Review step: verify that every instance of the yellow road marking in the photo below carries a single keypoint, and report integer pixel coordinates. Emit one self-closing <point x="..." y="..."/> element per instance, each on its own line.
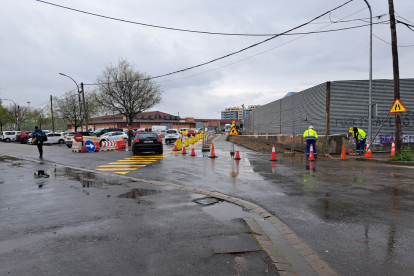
<point x="117" y="169"/>
<point x="124" y="166"/>
<point x="131" y="162"/>
<point x="122" y="172"/>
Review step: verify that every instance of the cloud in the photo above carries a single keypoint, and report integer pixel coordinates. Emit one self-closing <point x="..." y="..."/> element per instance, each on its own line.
<point x="38" y="41"/>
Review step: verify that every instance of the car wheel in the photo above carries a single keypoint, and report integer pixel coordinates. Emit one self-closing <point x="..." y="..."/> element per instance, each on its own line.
<point x="7" y="140"/>
<point x="61" y="141"/>
<point x="69" y="146"/>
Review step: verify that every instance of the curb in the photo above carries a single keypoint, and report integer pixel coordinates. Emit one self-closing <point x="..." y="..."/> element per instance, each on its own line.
<point x="395" y="163"/>
<point x="310" y="256"/>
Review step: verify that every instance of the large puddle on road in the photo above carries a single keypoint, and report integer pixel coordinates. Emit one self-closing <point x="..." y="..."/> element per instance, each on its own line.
<point x="135" y="193"/>
<point x="228" y="211"/>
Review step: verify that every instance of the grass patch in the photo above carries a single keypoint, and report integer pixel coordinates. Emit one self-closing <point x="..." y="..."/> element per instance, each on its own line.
<point x="405" y="155"/>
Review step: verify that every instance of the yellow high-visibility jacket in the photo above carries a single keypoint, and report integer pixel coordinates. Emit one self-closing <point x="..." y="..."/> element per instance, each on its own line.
<point x="310" y="135"/>
<point x="360" y="134"/>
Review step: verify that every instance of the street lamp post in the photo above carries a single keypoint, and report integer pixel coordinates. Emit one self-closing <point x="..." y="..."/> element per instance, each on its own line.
<point x="18" y="113"/>
<point x="80" y="106"/>
<point x="370" y="79"/>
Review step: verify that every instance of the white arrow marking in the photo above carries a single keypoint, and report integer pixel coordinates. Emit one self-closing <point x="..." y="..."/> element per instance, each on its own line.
<point x="90" y="146"/>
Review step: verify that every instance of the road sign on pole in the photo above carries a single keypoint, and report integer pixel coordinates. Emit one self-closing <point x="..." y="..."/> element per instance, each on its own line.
<point x="78" y="137"/>
<point x="90" y="146"/>
<point x="130" y="128"/>
<point x="397" y="107"/>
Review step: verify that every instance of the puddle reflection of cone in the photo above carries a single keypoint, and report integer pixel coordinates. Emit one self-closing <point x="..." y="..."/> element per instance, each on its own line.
<point x="311" y="166"/>
<point x="237" y="157"/>
<point x="368" y="154"/>
<point x="343" y="154"/>
<point x="175" y="146"/>
<point x="311" y="156"/>
<point x="192" y="151"/>
<point x="184" y="152"/>
<point x="273" y="167"/>
<point x="212" y="154"/>
<point x="392" y="150"/>
<point x="273" y="157"/>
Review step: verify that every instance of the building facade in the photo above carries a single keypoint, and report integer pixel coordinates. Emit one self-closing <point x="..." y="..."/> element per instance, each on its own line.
<point x="237" y="113"/>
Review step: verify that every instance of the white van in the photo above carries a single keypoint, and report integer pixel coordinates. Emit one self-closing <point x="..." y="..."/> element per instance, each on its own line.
<point x="9" y="136"/>
<point x="155" y="128"/>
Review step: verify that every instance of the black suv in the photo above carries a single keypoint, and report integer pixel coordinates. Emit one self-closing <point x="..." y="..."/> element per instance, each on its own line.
<point x="101" y="131"/>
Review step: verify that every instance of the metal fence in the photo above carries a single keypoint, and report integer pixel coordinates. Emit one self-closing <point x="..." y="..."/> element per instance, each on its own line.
<point x="348" y="104"/>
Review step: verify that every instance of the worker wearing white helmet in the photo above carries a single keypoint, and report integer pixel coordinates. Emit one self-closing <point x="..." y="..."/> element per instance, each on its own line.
<point x="311" y="137"/>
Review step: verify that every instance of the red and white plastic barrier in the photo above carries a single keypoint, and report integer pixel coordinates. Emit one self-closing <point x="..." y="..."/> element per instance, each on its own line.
<point x="108" y="145"/>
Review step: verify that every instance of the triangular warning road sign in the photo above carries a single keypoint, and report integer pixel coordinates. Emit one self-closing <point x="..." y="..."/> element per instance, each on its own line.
<point x="233" y="131"/>
<point x="397" y="107"/>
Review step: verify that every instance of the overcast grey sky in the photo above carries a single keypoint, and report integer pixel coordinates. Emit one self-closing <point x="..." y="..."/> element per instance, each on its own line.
<point x="38" y="41"/>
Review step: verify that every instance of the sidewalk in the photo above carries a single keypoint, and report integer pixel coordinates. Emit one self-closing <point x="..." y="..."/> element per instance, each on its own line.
<point x="383" y="159"/>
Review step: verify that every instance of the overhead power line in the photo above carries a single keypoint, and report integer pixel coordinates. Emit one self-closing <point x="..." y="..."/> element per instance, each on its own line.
<point x="170" y="28"/>
<point x="244" y="49"/>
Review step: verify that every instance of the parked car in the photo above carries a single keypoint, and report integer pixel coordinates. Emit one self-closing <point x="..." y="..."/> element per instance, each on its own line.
<point x="9" y="136"/>
<point x="147" y="141"/>
<point x="183" y="131"/>
<point x="23" y="137"/>
<point x="115" y="136"/>
<point x="161" y="132"/>
<point x="55" y="138"/>
<point x="191" y="133"/>
<point x="171" y="135"/>
<point x="86" y="136"/>
<point x="101" y="131"/>
<point x="1" y="135"/>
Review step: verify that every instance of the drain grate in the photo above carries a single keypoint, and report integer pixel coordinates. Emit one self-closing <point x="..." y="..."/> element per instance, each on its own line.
<point x="207" y="200"/>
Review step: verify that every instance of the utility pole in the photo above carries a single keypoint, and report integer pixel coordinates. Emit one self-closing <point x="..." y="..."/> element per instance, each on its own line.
<point x="51" y="109"/>
<point x="396" y="71"/>
<point x="85" y="112"/>
<point x="18" y="117"/>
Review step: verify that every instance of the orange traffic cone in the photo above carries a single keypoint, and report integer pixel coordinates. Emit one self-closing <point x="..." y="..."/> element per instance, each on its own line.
<point x="273" y="157"/>
<point x="175" y="146"/>
<point x="184" y="152"/>
<point x="212" y="154"/>
<point x="237" y="157"/>
<point x="368" y="154"/>
<point x="311" y="156"/>
<point x="343" y="154"/>
<point x="392" y="150"/>
<point x="192" y="151"/>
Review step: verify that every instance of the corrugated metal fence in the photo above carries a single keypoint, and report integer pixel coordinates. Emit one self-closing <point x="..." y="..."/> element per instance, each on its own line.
<point x="348" y="107"/>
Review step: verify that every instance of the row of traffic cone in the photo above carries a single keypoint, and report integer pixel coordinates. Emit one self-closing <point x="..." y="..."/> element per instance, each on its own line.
<point x="192" y="150"/>
<point x="368" y="154"/>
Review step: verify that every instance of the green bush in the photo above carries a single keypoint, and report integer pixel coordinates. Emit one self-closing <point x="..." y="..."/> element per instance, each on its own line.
<point x="405" y="155"/>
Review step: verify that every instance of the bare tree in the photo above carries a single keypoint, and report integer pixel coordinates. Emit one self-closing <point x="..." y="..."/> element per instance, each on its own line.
<point x="67" y="108"/>
<point x="123" y="89"/>
<point x="14" y="113"/>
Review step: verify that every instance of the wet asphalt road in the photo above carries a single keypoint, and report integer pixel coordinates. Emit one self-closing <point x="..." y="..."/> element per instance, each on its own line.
<point x="357" y="216"/>
<point x="78" y="223"/>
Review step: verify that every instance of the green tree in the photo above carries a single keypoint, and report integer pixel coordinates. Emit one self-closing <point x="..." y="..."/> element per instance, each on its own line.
<point x="5" y="117"/>
<point x="123" y="89"/>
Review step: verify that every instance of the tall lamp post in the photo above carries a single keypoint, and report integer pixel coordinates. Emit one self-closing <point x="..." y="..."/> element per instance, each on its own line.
<point x="80" y="106"/>
<point x="370" y="80"/>
<point x="18" y="112"/>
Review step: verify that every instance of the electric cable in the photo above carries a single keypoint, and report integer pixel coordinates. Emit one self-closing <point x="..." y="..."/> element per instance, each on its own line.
<point x="239" y="51"/>
<point x="161" y="27"/>
<point x="391" y="44"/>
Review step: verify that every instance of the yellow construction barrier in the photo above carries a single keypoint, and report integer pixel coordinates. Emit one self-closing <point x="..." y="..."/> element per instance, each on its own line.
<point x="192" y="141"/>
<point x="179" y="145"/>
<point x="186" y="142"/>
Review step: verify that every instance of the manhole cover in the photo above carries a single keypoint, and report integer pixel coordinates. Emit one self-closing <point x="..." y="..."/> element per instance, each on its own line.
<point x="139" y="192"/>
<point x="207" y="200"/>
<point x="234" y="244"/>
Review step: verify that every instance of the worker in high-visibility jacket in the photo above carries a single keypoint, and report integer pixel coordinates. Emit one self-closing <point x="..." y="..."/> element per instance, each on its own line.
<point x="360" y="139"/>
<point x="311" y="137"/>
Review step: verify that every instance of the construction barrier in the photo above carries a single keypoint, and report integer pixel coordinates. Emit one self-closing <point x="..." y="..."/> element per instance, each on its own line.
<point x="186" y="142"/>
<point x="97" y="148"/>
<point x="108" y="145"/>
<point x="178" y="145"/>
<point x="120" y="144"/>
<point x="76" y="146"/>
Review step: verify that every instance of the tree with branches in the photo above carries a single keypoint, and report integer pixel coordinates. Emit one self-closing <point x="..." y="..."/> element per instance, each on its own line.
<point x="123" y="89"/>
<point x="14" y="113"/>
<point x="5" y="117"/>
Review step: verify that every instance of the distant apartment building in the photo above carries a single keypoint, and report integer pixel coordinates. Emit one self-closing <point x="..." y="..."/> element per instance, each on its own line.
<point x="236" y="113"/>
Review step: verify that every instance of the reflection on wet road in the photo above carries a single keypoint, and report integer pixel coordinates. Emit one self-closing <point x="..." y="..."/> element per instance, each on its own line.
<point x="358" y="216"/>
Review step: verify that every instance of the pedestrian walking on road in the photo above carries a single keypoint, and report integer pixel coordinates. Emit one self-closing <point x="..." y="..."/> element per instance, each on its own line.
<point x="38" y="134"/>
<point x="311" y="137"/>
<point x="359" y="138"/>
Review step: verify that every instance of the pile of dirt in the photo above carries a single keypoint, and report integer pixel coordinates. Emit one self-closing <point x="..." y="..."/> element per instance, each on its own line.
<point x="263" y="147"/>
